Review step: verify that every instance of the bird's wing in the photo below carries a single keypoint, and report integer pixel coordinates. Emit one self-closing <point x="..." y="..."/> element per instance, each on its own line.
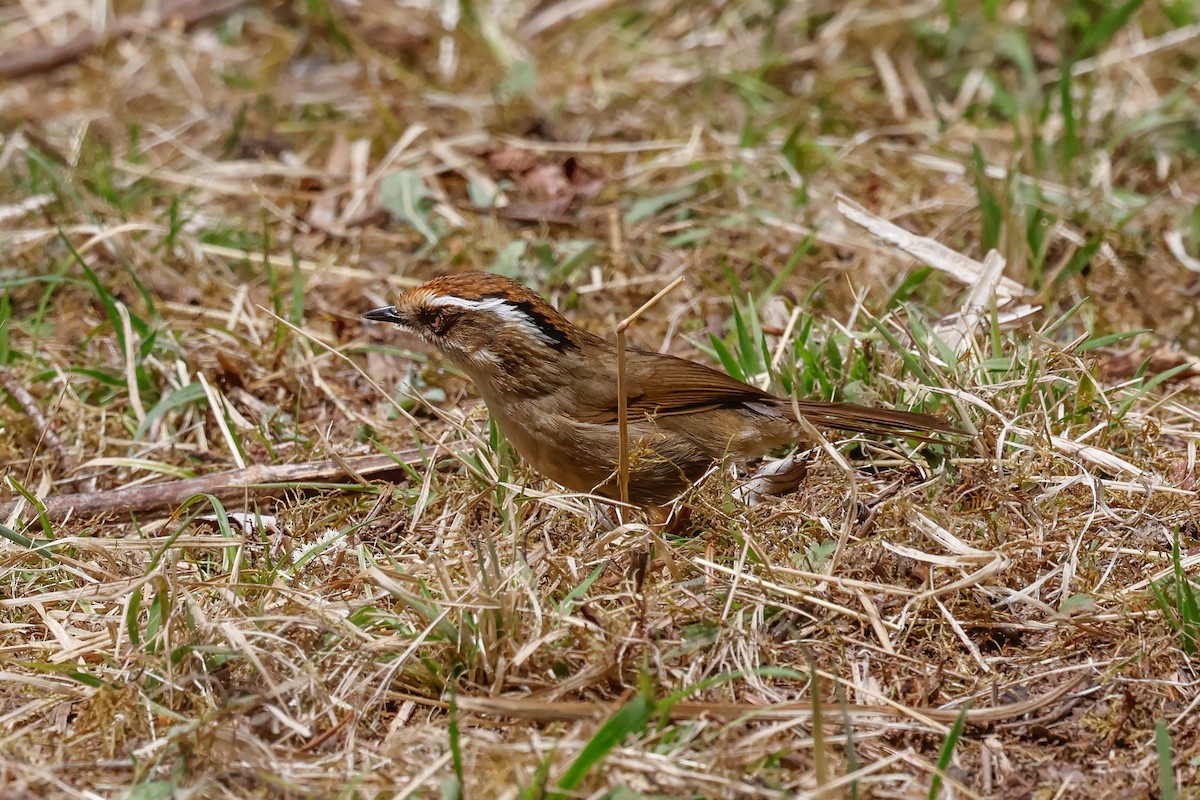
<point x="663" y="385"/>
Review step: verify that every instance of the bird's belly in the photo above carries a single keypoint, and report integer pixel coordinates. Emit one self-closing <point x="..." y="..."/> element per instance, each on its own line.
<point x="583" y="456"/>
<point x="666" y="453"/>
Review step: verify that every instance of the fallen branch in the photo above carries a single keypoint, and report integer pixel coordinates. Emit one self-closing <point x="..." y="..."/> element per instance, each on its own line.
<point x="573" y="711"/>
<point x="261" y="479"/>
<point x="184" y="13"/>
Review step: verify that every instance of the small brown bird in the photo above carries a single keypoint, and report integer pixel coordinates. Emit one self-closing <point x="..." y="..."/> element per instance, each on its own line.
<point x="552" y="389"/>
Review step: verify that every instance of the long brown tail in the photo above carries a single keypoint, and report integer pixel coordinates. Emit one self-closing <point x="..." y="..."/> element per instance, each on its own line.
<point x="886" y="421"/>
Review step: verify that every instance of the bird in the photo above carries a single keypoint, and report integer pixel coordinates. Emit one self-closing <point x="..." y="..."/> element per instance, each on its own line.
<point x="551" y="388"/>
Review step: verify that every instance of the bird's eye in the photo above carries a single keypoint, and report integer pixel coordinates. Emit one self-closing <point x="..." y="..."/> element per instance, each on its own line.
<point x="431" y="318"/>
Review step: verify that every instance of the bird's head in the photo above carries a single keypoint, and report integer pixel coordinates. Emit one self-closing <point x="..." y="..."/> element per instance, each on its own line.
<point x="492" y="327"/>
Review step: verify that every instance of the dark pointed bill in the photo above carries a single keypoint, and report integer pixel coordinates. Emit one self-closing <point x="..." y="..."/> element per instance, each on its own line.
<point x="385" y="314"/>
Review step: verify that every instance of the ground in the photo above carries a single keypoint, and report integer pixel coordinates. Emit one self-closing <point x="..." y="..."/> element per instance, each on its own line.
<point x="254" y="546"/>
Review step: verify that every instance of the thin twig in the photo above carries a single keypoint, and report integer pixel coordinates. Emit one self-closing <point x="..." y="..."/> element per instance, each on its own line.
<point x="257" y="479"/>
<point x="19" y="63"/>
<point x="29" y="405"/>
<point x="569" y="711"/>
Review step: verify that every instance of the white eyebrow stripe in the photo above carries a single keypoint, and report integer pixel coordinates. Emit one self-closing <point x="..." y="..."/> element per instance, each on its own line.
<point x="495" y="305"/>
<point x="486" y="304"/>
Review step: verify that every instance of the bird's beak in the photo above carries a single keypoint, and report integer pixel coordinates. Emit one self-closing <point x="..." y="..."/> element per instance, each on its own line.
<point x="385" y="314"/>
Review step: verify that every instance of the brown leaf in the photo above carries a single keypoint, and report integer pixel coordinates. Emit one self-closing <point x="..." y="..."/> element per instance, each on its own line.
<point x="545" y="185"/>
<point x="1117" y="367"/>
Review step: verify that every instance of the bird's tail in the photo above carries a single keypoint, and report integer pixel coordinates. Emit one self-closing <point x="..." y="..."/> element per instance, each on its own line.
<point x="886" y="421"/>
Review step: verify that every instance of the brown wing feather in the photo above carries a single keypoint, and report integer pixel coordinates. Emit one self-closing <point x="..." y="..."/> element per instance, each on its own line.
<point x="676" y="386"/>
<point x="663" y="385"/>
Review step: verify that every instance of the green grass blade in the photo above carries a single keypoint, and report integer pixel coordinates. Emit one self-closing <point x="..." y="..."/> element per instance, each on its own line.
<point x="1166" y="767"/>
<point x="5" y="323"/>
<point x="726" y="358"/>
<point x="180" y="398"/>
<point x="566" y="605"/>
<point x="1110" y="339"/>
<point x="631" y="720"/>
<point x="1055" y="326"/>
<point x="852" y="763"/>
<point x="1101" y="32"/>
<point x="455" y="747"/>
<point x="992" y="218"/>
<point x="948" y="746"/>
<point x="16" y="538"/>
<point x="1150" y="385"/>
<point x="38" y="505"/>
<point x="910" y="361"/>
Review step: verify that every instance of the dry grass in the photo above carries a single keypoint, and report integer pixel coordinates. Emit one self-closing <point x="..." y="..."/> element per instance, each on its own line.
<point x="193" y="218"/>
